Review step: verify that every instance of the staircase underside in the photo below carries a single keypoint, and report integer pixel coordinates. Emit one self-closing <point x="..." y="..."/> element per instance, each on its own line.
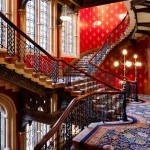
<point x="143" y="18"/>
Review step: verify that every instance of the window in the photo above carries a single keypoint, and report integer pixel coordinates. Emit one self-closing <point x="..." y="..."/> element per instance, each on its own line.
<point x="69" y="37"/>
<point x="30" y="19"/>
<point x="2" y="6"/>
<point x="34" y="133"/>
<point x="38" y="22"/>
<point x="2" y="127"/>
<point x="7" y="123"/>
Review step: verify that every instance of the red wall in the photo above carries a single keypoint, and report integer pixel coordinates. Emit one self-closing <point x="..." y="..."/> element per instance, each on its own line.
<point x="96" y="23"/>
<point x="140" y="49"/>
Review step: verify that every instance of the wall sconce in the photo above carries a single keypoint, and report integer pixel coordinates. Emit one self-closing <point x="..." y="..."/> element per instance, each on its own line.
<point x="65" y="14"/>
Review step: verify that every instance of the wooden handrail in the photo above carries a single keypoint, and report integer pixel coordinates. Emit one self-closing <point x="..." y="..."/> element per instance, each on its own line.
<point x="62" y="118"/>
<point x="90" y="61"/>
<point x="24" y="35"/>
<point x="45" y="52"/>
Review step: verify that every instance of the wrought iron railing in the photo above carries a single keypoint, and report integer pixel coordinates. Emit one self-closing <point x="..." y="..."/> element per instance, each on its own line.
<point x="96" y="60"/>
<point x="24" y="49"/>
<point x="79" y="114"/>
<point x="116" y="35"/>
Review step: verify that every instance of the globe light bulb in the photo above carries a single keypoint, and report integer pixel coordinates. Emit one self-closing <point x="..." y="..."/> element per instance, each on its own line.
<point x="124" y="52"/>
<point x="135" y="56"/>
<point x="116" y="63"/>
<point x="128" y="63"/>
<point x="138" y="64"/>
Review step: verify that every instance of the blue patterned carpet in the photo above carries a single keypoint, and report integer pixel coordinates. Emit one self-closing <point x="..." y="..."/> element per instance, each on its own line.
<point x="130" y="136"/>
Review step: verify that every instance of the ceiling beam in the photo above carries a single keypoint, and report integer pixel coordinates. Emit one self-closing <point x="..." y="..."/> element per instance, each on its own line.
<point x="137" y="2"/>
<point x="145" y="24"/>
<point x="89" y="3"/>
<point x="77" y="3"/>
<point x="147" y="10"/>
<point x="143" y="32"/>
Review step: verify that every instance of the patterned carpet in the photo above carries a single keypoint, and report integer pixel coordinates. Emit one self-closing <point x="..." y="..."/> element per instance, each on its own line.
<point x="134" y="135"/>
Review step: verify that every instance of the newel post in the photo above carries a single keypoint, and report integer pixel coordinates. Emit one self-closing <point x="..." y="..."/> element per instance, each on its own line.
<point x="123" y="113"/>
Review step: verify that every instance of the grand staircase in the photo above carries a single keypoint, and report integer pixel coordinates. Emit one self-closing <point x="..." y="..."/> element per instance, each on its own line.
<point x="96" y="99"/>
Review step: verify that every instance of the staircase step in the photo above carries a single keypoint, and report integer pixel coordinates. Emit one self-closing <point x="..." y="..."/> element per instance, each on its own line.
<point x="2" y="61"/>
<point x="10" y="60"/>
<point x="43" y="78"/>
<point x="76" y="93"/>
<point x="77" y="139"/>
<point x="3" y="52"/>
<point x="28" y="70"/>
<point x="10" y="66"/>
<point x="48" y="81"/>
<point x="20" y="65"/>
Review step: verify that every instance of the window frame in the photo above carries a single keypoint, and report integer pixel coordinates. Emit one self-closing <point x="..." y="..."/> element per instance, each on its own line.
<point x="50" y="33"/>
<point x="70" y="34"/>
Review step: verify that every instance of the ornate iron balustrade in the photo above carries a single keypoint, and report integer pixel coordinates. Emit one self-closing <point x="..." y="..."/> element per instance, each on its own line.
<point x="80" y="113"/>
<point x="115" y="36"/>
<point x="26" y="51"/>
<point x="95" y="62"/>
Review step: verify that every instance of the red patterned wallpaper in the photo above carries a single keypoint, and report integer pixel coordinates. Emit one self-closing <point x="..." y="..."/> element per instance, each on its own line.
<point x="140" y="49"/>
<point x="96" y="23"/>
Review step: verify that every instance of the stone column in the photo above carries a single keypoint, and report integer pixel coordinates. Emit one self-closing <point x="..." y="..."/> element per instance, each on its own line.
<point x="78" y="36"/>
<point x="8" y="134"/>
<point x="22" y="15"/>
<point x="22" y="140"/>
<point x="8" y="10"/>
<point x="54" y="25"/>
<point x="22" y="44"/>
<point x="59" y="40"/>
<point x="60" y="50"/>
<point x="51" y="29"/>
<point x="55" y="99"/>
<point x="37" y="38"/>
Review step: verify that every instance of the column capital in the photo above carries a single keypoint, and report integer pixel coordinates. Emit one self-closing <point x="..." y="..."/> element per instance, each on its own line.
<point x="59" y="26"/>
<point x="22" y="12"/>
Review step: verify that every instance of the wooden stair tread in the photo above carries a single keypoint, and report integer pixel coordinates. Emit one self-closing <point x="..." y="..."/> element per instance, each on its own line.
<point x="76" y="140"/>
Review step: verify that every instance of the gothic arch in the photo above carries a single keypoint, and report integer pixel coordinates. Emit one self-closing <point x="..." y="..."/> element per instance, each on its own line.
<point x="10" y="121"/>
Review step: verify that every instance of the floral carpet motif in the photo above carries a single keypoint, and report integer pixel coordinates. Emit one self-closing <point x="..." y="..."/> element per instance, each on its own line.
<point x="129" y="136"/>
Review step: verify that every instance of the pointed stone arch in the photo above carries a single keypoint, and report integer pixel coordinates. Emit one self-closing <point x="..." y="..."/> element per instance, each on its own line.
<point x="9" y="120"/>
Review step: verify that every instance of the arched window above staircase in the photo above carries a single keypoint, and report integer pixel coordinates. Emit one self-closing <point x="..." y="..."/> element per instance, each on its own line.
<point x="39" y="23"/>
<point x="34" y="133"/>
<point x="7" y="123"/>
<point x="70" y="36"/>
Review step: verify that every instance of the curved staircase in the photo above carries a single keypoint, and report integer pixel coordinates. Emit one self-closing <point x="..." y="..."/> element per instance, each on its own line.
<point x="97" y="96"/>
<point x="101" y="106"/>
